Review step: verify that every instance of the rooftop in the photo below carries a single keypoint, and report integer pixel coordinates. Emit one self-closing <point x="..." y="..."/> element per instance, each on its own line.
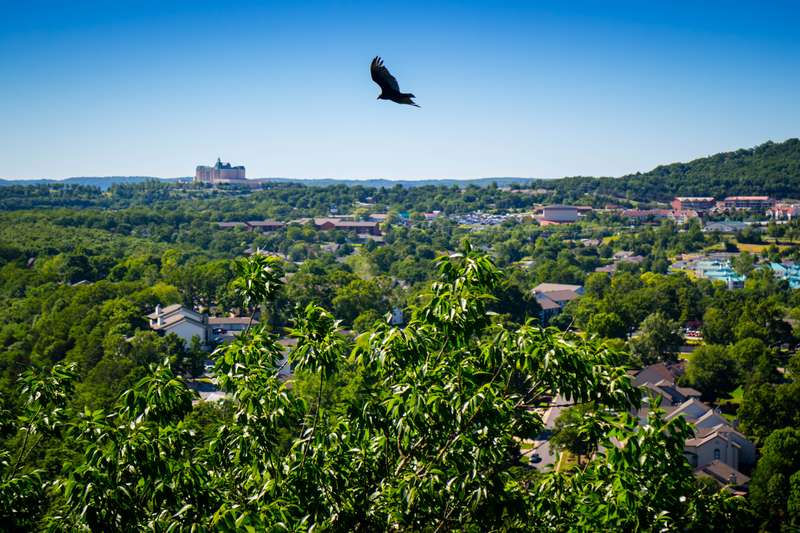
<point x="552" y="287"/>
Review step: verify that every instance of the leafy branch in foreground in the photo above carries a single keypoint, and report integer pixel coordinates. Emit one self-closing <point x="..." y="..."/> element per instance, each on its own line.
<point x="431" y="443"/>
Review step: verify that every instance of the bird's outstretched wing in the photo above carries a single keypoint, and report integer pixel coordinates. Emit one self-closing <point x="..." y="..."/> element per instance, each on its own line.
<point x="382" y="77"/>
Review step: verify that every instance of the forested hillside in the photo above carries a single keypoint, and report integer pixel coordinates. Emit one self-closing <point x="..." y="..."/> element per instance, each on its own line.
<point x="770" y="169"/>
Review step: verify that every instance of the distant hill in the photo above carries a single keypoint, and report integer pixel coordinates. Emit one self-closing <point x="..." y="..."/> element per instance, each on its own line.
<point x="103" y="182"/>
<point x="377" y="183"/>
<point x="769" y="169"/>
<point x="108" y="181"/>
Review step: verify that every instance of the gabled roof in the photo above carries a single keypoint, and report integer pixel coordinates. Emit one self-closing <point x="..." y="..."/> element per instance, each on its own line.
<point x="551" y="287"/>
<point x="653" y="374"/>
<point x="546" y="303"/>
<point x="687" y="408"/>
<point x="219" y="320"/>
<point x="696" y="442"/>
<point x="719" y="428"/>
<point x="668" y="387"/>
<point x="711" y="419"/>
<point x="265" y="223"/>
<point x="174" y="320"/>
<point x="723" y="474"/>
<point x="689" y="392"/>
<point x="562" y="296"/>
<point x="165" y="311"/>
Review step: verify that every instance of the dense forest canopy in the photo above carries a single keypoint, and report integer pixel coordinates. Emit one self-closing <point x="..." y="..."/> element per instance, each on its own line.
<point x="428" y="439"/>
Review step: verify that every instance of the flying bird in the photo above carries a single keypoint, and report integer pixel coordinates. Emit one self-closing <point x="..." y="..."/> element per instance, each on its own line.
<point x="388" y="84"/>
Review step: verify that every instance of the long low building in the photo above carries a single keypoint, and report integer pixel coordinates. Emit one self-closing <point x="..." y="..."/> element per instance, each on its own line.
<point x="558" y="214"/>
<point x="330" y="223"/>
<point x="756" y="203"/>
<point x="693" y="203"/>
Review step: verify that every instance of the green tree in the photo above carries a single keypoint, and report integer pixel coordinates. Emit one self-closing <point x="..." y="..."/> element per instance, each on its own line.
<point x="744" y="263"/>
<point x="766" y="407"/>
<point x="607" y="326"/>
<point x="358" y="296"/>
<point x="43" y="416"/>
<point x="717" y="326"/>
<point x="658" y="340"/>
<point x="774" y="483"/>
<point x="713" y="371"/>
<point x="755" y="361"/>
<point x="569" y="432"/>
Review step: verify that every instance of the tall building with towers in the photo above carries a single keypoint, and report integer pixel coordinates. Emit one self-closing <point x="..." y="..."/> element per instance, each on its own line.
<point x="219" y="173"/>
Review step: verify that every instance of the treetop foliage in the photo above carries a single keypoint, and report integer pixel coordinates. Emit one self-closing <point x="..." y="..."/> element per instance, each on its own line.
<point x="431" y="442"/>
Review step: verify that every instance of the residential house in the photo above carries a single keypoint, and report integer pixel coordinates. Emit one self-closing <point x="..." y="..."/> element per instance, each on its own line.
<point x="626" y="256"/>
<point x="187" y="323"/>
<point x="225" y="328"/>
<point x="715" y="439"/>
<point x="708" y="446"/>
<point x="183" y="322"/>
<point x="657" y="372"/>
<point x="552" y="297"/>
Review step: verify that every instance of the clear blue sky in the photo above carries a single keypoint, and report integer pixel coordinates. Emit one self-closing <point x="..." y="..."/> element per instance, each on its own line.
<point x="540" y="89"/>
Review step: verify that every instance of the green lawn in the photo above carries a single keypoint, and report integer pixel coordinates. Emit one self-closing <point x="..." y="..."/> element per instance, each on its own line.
<point x="360" y="265"/>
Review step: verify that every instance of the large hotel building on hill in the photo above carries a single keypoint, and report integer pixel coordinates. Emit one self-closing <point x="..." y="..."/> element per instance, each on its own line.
<point x="220" y="173"/>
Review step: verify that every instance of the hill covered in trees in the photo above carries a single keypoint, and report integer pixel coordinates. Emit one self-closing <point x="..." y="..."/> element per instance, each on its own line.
<point x="768" y="169"/>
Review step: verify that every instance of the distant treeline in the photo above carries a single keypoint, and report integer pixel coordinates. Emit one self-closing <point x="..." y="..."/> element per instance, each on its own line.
<point x="769" y="169"/>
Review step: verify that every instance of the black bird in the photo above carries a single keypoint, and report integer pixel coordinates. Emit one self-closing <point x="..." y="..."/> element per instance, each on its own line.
<point x="388" y="84"/>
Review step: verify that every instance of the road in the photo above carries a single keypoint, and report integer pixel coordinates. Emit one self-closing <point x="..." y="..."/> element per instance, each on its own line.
<point x="541" y="445"/>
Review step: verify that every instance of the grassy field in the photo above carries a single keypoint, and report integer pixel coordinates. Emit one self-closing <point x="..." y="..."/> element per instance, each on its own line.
<point x="566" y="461"/>
<point x="730" y="405"/>
<point x="758" y="248"/>
<point x="359" y="264"/>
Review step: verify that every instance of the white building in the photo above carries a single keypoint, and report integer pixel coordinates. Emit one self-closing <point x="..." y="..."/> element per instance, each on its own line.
<point x="183" y="322"/>
<point x="559" y="214"/>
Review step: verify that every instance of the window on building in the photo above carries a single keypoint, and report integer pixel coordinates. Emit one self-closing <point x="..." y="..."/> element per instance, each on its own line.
<point x="716" y="453"/>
